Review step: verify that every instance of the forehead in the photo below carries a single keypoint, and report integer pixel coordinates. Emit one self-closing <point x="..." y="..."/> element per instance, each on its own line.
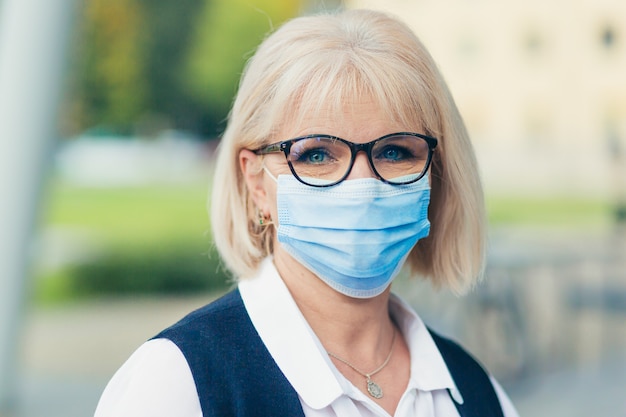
<point x="358" y="119"/>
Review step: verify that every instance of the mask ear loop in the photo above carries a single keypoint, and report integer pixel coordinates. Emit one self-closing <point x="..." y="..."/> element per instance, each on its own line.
<point x="267" y="171"/>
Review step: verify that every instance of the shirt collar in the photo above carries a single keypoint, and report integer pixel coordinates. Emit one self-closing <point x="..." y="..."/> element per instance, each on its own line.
<point x="295" y="348"/>
<point x="303" y="360"/>
<point x="428" y="368"/>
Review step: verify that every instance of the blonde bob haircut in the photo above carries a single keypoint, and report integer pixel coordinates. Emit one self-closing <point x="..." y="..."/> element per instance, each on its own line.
<point x="314" y="62"/>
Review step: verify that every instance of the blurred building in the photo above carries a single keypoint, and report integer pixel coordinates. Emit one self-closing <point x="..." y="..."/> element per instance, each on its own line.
<point x="541" y="84"/>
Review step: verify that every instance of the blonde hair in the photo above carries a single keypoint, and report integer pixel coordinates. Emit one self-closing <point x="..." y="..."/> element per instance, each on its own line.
<point x="321" y="60"/>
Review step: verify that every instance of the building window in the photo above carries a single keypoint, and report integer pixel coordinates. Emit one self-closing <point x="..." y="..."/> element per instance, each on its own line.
<point x="533" y="43"/>
<point x="608" y="37"/>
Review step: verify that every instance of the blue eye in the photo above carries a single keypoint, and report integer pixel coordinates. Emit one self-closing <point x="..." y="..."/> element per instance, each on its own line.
<point x="393" y="153"/>
<point x="312" y="156"/>
<point x="315" y="156"/>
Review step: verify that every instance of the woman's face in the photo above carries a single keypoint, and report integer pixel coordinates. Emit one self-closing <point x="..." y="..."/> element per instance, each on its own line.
<point x="360" y="122"/>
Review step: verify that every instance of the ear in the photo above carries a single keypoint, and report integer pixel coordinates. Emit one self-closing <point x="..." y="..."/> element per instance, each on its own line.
<point x="252" y="171"/>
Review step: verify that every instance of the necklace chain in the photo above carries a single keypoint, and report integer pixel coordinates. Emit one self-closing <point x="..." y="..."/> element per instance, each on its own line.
<point x="373" y="388"/>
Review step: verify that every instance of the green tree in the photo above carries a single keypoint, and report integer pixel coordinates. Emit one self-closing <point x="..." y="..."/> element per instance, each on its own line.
<point x="226" y="34"/>
<point x="165" y="42"/>
<point x="175" y="63"/>
<point x="109" y="85"/>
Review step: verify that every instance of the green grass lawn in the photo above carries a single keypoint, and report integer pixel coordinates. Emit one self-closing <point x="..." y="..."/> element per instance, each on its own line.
<point x="132" y="216"/>
<point x="153" y="239"/>
<point x="139" y="216"/>
<point x="156" y="239"/>
<point x="553" y="211"/>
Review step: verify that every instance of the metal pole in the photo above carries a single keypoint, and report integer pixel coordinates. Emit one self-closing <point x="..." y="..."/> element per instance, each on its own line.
<point x="33" y="40"/>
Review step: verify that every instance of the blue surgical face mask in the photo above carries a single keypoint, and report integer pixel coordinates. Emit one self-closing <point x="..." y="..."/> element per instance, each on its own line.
<point x="356" y="235"/>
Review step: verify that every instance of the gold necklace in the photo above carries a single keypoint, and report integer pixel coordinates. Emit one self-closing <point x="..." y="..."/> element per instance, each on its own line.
<point x="372" y="387"/>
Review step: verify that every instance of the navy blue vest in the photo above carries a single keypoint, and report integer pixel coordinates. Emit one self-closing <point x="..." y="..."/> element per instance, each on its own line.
<point x="231" y="367"/>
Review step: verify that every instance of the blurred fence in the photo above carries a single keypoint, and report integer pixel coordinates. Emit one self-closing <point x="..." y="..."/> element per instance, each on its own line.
<point x="550" y="301"/>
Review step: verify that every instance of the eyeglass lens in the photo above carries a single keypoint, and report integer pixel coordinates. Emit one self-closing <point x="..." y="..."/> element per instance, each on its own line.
<point x="397" y="159"/>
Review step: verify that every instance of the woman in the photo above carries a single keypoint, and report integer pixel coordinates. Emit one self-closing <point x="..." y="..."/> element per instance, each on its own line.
<point x="344" y="158"/>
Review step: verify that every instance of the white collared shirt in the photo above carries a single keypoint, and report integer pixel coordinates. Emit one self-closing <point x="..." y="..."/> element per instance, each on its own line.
<point x="143" y="386"/>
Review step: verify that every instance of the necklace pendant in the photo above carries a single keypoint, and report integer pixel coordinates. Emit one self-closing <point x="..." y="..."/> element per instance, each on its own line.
<point x="374" y="389"/>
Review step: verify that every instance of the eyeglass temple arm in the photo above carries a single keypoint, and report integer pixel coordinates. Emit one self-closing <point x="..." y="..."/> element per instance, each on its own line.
<point x="273" y="148"/>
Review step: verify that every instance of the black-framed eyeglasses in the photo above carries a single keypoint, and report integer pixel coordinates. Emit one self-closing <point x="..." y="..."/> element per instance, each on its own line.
<point x="324" y="160"/>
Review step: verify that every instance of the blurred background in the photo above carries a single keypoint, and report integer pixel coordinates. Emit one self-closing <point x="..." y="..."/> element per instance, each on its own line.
<point x="110" y="113"/>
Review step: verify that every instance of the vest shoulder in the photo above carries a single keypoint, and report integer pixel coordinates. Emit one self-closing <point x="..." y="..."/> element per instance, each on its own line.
<point x="471" y="379"/>
<point x="216" y="317"/>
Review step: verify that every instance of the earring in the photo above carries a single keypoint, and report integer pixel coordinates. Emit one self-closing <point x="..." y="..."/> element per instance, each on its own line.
<point x="264" y="220"/>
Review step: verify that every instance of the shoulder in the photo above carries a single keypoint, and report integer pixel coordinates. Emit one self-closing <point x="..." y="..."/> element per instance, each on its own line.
<point x="476" y="385"/>
<point x="158" y="378"/>
<point x="211" y="330"/>
<point x="162" y="377"/>
<point x="508" y="408"/>
<point x="212" y="317"/>
<point x="154" y="381"/>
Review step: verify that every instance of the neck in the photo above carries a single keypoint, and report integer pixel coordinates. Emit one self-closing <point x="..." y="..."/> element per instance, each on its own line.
<point x="349" y="327"/>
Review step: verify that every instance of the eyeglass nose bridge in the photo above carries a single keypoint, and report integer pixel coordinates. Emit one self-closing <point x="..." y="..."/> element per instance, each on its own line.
<point x="358" y="147"/>
<point x="355" y="148"/>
